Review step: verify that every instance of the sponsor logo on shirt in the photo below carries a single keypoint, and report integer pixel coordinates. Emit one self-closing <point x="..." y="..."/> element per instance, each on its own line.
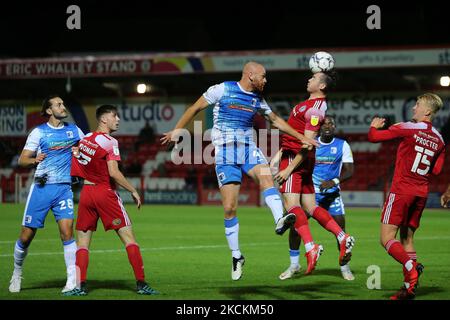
<point x="302" y="109"/>
<point x="314" y="120"/>
<point x="240" y="108"/>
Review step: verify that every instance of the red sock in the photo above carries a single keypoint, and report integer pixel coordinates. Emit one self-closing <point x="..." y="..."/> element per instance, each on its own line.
<point x="135" y="258"/>
<point x="82" y="262"/>
<point x="396" y="250"/>
<point x="325" y="220"/>
<point x="301" y="224"/>
<point x="412" y="255"/>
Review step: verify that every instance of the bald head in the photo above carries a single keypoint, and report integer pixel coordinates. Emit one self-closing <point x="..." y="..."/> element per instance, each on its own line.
<point x="253" y="77"/>
<point x="252" y="67"/>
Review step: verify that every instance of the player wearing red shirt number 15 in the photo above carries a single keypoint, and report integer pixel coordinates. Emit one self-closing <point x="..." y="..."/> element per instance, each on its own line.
<point x="420" y="154"/>
<point x="97" y="163"/>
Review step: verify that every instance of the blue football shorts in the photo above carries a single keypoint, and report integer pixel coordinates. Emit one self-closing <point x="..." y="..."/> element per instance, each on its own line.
<point x="234" y="158"/>
<point x="57" y="197"/>
<point x="332" y="202"/>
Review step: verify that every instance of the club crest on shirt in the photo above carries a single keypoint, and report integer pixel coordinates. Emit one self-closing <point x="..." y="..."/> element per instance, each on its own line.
<point x="333" y="150"/>
<point x="117" y="222"/>
<point x="314" y="120"/>
<point x="69" y="134"/>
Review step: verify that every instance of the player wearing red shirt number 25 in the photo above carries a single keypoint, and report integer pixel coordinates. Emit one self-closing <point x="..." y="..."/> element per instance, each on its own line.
<point x="97" y="163"/>
<point x="420" y="154"/>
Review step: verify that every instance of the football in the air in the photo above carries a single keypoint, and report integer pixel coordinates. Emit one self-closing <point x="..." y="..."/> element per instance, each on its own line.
<point x="321" y="61"/>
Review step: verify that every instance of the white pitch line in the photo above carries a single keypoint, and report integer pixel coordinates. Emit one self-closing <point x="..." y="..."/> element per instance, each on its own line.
<point x="365" y="239"/>
<point x="144" y="249"/>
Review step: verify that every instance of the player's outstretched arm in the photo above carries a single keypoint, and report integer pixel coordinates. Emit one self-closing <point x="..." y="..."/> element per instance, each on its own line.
<point x="376" y="135"/>
<point x="27" y="158"/>
<point x="187" y="117"/>
<point x="279" y="123"/>
<point x="445" y="198"/>
<point x="119" y="178"/>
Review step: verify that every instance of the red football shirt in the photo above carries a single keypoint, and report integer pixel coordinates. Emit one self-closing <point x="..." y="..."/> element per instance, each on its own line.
<point x="420" y="153"/>
<point x="96" y="148"/>
<point x="307" y="115"/>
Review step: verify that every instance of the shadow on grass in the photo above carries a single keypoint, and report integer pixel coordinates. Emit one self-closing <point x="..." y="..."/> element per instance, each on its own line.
<point x="92" y="285"/>
<point x="420" y="291"/>
<point x="298" y="290"/>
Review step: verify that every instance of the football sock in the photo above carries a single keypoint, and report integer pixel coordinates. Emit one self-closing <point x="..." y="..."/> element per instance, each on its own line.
<point x="325" y="220"/>
<point x="20" y="252"/>
<point x="135" y="258"/>
<point x="412" y="255"/>
<point x="273" y="201"/>
<point x="309" y="246"/>
<point x="345" y="268"/>
<point x="70" y="250"/>
<point x="232" y="235"/>
<point x="396" y="250"/>
<point x="82" y="263"/>
<point x="294" y="256"/>
<point x="301" y="225"/>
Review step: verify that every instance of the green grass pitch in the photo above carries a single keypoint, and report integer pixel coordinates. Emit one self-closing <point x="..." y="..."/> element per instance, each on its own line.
<point x="186" y="257"/>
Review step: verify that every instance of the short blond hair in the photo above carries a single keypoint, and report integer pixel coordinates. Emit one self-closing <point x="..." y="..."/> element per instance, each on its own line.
<point x="432" y="100"/>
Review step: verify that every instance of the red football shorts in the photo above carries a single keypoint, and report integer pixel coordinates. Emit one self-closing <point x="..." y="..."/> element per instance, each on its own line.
<point x="300" y="181"/>
<point x="104" y="203"/>
<point x="403" y="210"/>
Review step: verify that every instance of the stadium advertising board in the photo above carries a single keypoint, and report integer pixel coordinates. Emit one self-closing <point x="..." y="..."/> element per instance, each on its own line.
<point x="18" y="119"/>
<point x="213" y="197"/>
<point x="353" y="112"/>
<point x="127" y="65"/>
<point x="162" y="115"/>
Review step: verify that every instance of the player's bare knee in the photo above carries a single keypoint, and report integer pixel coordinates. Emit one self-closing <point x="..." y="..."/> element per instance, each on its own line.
<point x="265" y="182"/>
<point x="230" y="211"/>
<point x="27" y="235"/>
<point x="67" y="235"/>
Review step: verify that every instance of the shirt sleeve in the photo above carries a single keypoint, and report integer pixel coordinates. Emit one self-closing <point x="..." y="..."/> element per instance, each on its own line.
<point x="33" y="139"/>
<point x="80" y="133"/>
<point x="113" y="151"/>
<point x="265" y="108"/>
<point x="347" y="155"/>
<point x="313" y="119"/>
<point x="214" y="93"/>
<point x="394" y="131"/>
<point x="439" y="163"/>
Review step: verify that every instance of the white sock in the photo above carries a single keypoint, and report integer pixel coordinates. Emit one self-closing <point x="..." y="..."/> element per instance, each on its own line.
<point x="345" y="267"/>
<point x="232" y="235"/>
<point x="294" y="256"/>
<point x="309" y="246"/>
<point x="20" y="252"/>
<point x="273" y="201"/>
<point x="70" y="251"/>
